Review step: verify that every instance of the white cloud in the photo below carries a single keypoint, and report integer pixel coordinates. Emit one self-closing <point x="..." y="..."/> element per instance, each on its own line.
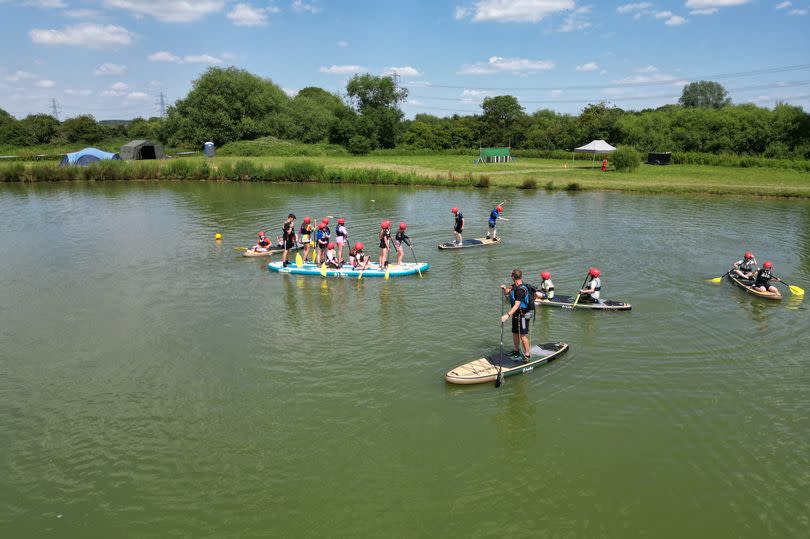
<point x="139" y="96"/>
<point x="80" y="13"/>
<point x="70" y="91"/>
<point x="45" y="83"/>
<point x="120" y="86"/>
<point x="92" y="36"/>
<point x="165" y="56"/>
<point x="246" y="15"/>
<point x="629" y="8"/>
<point x="590" y="66"/>
<point x="797" y="12"/>
<point x="52" y="4"/>
<point x="169" y="10"/>
<point x="663" y="15"/>
<point x="291" y="92"/>
<point x="646" y="69"/>
<point x="576" y="20"/>
<point x="661" y="78"/>
<point x="304" y="7"/>
<point x="708" y="11"/>
<point x="513" y="10"/>
<point x="675" y="20"/>
<point x="784" y="5"/>
<point x="497" y="64"/>
<point x="108" y="68"/>
<point x="556" y="93"/>
<point x="342" y="70"/>
<point x="342" y="44"/>
<point x="405" y="71"/>
<point x="19" y="75"/>
<point x="707" y="4"/>
<point x="469" y="97"/>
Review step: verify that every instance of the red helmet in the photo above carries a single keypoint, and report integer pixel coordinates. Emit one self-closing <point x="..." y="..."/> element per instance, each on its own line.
<point x="768" y="264"/>
<point x="749" y="254"/>
<point x="341" y="221"/>
<point x="261" y="234"/>
<point x="386" y="224"/>
<point x="307" y="220"/>
<point x="403" y="226"/>
<point x="545" y="275"/>
<point x="358" y="246"/>
<point x="499" y="208"/>
<point x="330" y="245"/>
<point x="321" y="225"/>
<point x="453" y="210"/>
<point x="326" y="220"/>
<point x="594" y="272"/>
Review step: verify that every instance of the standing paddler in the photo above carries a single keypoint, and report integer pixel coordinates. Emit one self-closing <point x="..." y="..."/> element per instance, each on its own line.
<point x="341" y="237"/>
<point x="458" y="225"/>
<point x="522" y="299"/>
<point x="385" y="242"/>
<point x="493" y="222"/>
<point x="306" y="235"/>
<point x="288" y="237"/>
<point x="399" y="238"/>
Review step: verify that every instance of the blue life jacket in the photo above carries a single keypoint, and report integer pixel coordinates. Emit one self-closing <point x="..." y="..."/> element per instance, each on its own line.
<point x="493" y="217"/>
<point x="527" y="303"/>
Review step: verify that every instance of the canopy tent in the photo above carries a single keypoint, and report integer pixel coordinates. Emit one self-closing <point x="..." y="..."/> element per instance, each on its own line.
<point x="85" y="157"/>
<point x="494" y="155"/>
<point x="594" y="147"/>
<point x="142" y="149"/>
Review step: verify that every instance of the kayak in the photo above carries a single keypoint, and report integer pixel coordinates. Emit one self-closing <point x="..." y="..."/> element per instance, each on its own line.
<point x="373" y="270"/>
<point x="486" y="369"/>
<point x="477" y="242"/>
<point x="747" y="285"/>
<point x="270" y="250"/>
<point x="568" y="301"/>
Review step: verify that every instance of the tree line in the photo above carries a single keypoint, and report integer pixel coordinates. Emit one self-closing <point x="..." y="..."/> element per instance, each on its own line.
<point x="229" y="104"/>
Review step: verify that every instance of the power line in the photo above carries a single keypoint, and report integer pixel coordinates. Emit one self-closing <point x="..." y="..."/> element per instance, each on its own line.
<point x="55" y="109"/>
<point x="628" y="84"/>
<point x="161" y="102"/>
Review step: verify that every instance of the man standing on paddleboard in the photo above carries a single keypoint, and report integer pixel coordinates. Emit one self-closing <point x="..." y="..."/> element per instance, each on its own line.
<point x="288" y="237"/>
<point x="458" y="226"/>
<point x="521" y="299"/>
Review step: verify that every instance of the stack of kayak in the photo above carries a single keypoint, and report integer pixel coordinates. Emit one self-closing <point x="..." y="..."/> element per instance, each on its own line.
<point x="372" y="270"/>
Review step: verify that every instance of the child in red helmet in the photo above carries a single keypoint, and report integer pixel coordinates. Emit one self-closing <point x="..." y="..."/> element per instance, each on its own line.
<point x="399" y="238"/>
<point x="321" y="241"/>
<point x="305" y="234"/>
<point x="331" y="256"/>
<point x="747" y="267"/>
<point x="493" y="222"/>
<point x="764" y="277"/>
<point x="357" y="258"/>
<point x="385" y="242"/>
<point x="263" y="244"/>
<point x="458" y="225"/>
<point x="546" y="290"/>
<point x="593" y="285"/>
<point x="341" y="237"/>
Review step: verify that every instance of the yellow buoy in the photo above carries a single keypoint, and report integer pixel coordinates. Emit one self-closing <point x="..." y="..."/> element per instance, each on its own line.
<point x="217" y="236"/>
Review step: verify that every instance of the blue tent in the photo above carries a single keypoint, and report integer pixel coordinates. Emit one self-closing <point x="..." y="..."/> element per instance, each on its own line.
<point x="85" y="157"/>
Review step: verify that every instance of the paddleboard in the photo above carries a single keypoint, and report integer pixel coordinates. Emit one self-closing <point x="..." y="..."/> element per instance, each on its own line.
<point x="477" y="242"/>
<point x="747" y="285"/>
<point x="486" y="369"/>
<point x="568" y="301"/>
<point x="274" y="249"/>
<point x="373" y="270"/>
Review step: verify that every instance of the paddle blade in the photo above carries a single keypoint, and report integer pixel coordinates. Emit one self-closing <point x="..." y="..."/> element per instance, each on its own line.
<point x="360" y="275"/>
<point x="499" y="378"/>
<point x="796" y="290"/>
<point x="715" y="280"/>
<point x="386" y="273"/>
<point x="323" y="269"/>
<point x="240" y="248"/>
<point x="298" y="260"/>
<point x="314" y="255"/>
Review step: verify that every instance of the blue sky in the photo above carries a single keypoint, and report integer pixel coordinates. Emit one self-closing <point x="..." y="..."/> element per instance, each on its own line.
<point x="113" y="58"/>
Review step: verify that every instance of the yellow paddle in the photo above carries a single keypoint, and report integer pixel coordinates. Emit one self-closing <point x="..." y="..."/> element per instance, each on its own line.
<point x="386" y="272"/>
<point x="323" y="269"/>
<point x="241" y="248"/>
<point x="578" y="294"/>
<point x="795" y="290"/>
<point x="299" y="262"/>
<point x="718" y="279"/>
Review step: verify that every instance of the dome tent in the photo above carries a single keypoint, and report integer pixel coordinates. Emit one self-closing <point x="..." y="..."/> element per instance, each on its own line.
<point x="142" y="149"/>
<point x="87" y="156"/>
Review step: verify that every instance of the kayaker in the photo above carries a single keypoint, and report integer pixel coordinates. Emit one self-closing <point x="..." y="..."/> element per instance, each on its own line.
<point x="263" y="244"/>
<point x="458" y="225"/>
<point x="519" y="297"/>
<point x="399" y="238"/>
<point x="341" y="237"/>
<point x="385" y="242"/>
<point x="763" y="279"/>
<point x="493" y="222"/>
<point x="747" y="267"/>
<point x="331" y="256"/>
<point x="288" y="237"/>
<point x="357" y="258"/>
<point x="546" y="290"/>
<point x="593" y="285"/>
<point x="306" y="235"/>
<point x="321" y="241"/>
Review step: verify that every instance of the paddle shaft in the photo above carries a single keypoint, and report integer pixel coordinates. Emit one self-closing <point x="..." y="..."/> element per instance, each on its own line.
<point x="416" y="261"/>
<point x="580" y="292"/>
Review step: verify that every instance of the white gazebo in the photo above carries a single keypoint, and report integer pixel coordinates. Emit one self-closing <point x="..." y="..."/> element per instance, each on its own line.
<point x="594" y="147"/>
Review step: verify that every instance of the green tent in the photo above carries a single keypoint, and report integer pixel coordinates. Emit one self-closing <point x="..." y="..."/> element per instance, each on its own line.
<point x="494" y="155"/>
<point x="142" y="149"/>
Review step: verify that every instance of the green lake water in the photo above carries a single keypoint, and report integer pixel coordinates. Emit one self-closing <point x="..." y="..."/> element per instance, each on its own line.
<point x="154" y="383"/>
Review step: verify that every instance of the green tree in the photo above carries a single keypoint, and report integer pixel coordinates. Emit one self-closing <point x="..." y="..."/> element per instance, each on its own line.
<point x="599" y="121"/>
<point x="82" y="129"/>
<point x="314" y="112"/>
<point x="43" y="127"/>
<point x="378" y="99"/>
<point x="501" y="116"/>
<point x="704" y="93"/>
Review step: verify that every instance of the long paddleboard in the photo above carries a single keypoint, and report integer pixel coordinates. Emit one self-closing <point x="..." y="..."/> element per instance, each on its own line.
<point x="477" y="242"/>
<point x="747" y="285"/>
<point x="486" y="369"/>
<point x="373" y="270"/>
<point x="568" y="302"/>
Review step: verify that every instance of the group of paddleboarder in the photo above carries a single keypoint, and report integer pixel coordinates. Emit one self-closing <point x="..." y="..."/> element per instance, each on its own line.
<point x="492" y="222"/>
<point x="748" y="269"/>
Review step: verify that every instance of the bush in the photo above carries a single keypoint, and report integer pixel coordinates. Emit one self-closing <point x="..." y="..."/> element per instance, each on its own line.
<point x="529" y="183"/>
<point x="14" y="172"/>
<point x="573" y="186"/>
<point x="626" y="159"/>
<point x="482" y="182"/>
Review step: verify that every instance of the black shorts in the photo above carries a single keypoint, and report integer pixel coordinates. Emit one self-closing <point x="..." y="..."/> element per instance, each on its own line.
<point x="520" y="324"/>
<point x="289" y="244"/>
<point x="457" y="230"/>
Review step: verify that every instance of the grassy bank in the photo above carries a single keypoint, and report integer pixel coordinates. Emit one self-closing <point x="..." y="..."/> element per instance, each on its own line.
<point x="433" y="170"/>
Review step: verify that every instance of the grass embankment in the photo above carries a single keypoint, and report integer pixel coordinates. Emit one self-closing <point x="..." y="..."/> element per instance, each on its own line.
<point x="434" y="170"/>
<point x="54" y="152"/>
